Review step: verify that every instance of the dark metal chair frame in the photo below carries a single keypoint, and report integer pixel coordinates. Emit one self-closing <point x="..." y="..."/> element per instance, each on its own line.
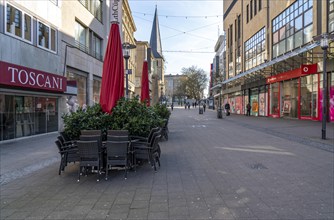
<point x="68" y="154"/>
<point x="89" y="157"/>
<point x="117" y="148"/>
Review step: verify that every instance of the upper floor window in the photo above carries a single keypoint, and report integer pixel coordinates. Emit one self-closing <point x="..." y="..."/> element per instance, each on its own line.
<point x="94" y="6"/>
<point x="81" y="37"/>
<point x="97" y="47"/>
<point x="247" y="12"/>
<point x="331" y="16"/>
<point x="54" y="2"/>
<point x="260" y="5"/>
<point x="46" y="36"/>
<point x="293" y="27"/>
<point x="18" y="23"/>
<point x="255" y="49"/>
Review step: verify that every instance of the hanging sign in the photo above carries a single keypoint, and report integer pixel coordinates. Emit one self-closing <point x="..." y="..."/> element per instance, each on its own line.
<point x="309" y="68"/>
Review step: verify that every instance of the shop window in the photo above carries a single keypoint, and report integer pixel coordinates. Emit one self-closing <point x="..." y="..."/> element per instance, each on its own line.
<point x="96" y="90"/>
<point x="274" y="99"/>
<point x="18" y="23"/>
<point x="82" y="90"/>
<point x="46" y="36"/>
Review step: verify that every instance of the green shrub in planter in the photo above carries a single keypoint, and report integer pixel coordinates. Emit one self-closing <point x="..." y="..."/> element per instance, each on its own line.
<point x="135" y="117"/>
<point x="161" y="110"/>
<point x="129" y="115"/>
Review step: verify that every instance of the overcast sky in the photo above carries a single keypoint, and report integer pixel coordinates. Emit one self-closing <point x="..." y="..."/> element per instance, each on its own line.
<point x="184" y="26"/>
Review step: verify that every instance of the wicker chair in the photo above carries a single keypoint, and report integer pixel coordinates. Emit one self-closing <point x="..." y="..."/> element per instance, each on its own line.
<point x="117" y="153"/>
<point x="67" y="155"/>
<point x="148" y="148"/>
<point x="165" y="131"/>
<point x="89" y="157"/>
<point x="97" y="138"/>
<point x="91" y="132"/>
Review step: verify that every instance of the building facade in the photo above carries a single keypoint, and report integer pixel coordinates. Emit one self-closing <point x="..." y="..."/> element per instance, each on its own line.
<point x="143" y="52"/>
<point x="51" y="59"/>
<point x="172" y="82"/>
<point x="274" y="60"/>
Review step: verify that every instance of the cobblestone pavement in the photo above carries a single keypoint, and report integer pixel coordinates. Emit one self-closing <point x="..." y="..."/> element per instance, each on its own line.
<point x="234" y="168"/>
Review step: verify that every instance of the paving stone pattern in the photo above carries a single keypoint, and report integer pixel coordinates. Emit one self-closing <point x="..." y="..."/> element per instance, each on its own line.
<point x="234" y="168"/>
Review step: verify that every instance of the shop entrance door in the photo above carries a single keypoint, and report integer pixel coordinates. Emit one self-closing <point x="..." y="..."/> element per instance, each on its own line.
<point x="46" y="115"/>
<point x="289" y="97"/>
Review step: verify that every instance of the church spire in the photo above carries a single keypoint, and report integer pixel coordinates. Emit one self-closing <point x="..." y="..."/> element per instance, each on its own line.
<point x="155" y="40"/>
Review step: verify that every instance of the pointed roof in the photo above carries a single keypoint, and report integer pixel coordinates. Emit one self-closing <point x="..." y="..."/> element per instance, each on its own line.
<point x="155" y="40"/>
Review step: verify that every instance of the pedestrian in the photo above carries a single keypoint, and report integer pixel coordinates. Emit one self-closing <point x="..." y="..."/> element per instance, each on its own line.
<point x="188" y="106"/>
<point x="204" y="106"/>
<point x="227" y="108"/>
<point x="172" y="106"/>
<point x="248" y="109"/>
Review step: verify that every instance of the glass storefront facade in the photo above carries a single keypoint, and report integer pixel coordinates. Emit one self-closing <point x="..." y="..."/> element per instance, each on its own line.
<point x="81" y="97"/>
<point x="289" y="98"/>
<point x="263" y="100"/>
<point x="274" y="99"/>
<point x="96" y="90"/>
<point x="22" y="115"/>
<point x="254" y="97"/>
<point x="309" y="96"/>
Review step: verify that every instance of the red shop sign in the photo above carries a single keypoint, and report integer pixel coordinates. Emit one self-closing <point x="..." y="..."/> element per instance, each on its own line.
<point x="304" y="70"/>
<point x="19" y="76"/>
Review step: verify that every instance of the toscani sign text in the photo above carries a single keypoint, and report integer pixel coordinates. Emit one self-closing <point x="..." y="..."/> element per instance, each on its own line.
<point x="19" y="76"/>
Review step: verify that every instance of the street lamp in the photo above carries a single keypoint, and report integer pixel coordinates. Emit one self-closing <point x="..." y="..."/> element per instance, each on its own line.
<point x="126" y="54"/>
<point x="324" y="44"/>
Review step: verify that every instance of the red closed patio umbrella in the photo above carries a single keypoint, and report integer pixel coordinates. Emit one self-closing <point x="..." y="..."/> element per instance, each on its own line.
<point x="145" y="90"/>
<point x="112" y="88"/>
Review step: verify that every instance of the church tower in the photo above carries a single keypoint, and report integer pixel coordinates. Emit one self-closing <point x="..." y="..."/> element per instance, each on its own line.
<point x="158" y="85"/>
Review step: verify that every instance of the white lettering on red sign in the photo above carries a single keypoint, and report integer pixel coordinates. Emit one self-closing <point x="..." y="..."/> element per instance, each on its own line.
<point x="33" y="79"/>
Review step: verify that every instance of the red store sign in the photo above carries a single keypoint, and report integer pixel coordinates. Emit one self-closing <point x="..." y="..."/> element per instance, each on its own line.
<point x="302" y="71"/>
<point x="19" y="76"/>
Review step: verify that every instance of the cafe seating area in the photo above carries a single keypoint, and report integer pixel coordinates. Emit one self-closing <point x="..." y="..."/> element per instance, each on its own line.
<point x="97" y="153"/>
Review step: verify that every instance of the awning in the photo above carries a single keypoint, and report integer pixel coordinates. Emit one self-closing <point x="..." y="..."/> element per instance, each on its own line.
<point x="272" y="62"/>
<point x="217" y="86"/>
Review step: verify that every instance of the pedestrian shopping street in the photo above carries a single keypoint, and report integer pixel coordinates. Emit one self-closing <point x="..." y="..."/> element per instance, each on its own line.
<point x="234" y="168"/>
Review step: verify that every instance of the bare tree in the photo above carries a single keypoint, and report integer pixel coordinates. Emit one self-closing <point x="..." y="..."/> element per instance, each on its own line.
<point x="194" y="83"/>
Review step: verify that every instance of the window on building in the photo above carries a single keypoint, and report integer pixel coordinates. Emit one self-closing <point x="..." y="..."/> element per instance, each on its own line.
<point x="255" y="49"/>
<point x="46" y="36"/>
<point x="251" y="9"/>
<point x="231" y="33"/>
<point x="235" y="30"/>
<point x="54" y="2"/>
<point x="239" y="26"/>
<point x="331" y="16"/>
<point x="94" y="7"/>
<point x="255" y="8"/>
<point x="260" y="5"/>
<point x="81" y="37"/>
<point x="293" y="27"/>
<point x="247" y="12"/>
<point x="97" y="47"/>
<point x="18" y="23"/>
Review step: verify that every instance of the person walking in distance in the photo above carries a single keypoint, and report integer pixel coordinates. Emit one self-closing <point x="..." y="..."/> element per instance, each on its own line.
<point x="227" y="108"/>
<point x="204" y="106"/>
<point x="248" y="109"/>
